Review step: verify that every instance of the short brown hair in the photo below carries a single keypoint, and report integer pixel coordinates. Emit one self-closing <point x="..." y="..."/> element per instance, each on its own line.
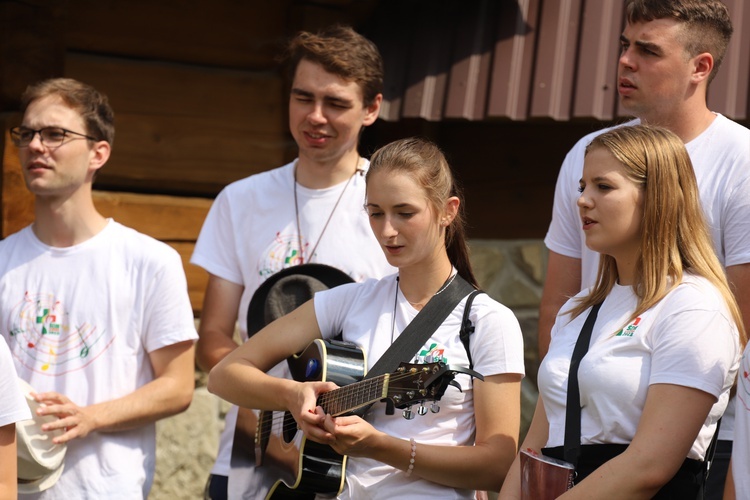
<point x="92" y="105"/>
<point x="343" y="52"/>
<point x="707" y="26"/>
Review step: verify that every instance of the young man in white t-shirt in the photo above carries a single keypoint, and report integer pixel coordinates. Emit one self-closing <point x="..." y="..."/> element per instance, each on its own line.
<point x="670" y="51"/>
<point x="308" y="211"/>
<point x="97" y="315"/>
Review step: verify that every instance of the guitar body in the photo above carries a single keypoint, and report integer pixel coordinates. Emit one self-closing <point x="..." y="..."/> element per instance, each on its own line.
<point x="275" y="461"/>
<point x="290" y="466"/>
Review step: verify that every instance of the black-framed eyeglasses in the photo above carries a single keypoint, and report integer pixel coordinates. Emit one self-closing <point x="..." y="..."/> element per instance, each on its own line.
<point x="50" y="136"/>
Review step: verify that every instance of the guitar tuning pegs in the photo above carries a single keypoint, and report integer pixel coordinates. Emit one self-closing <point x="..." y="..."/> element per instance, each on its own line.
<point x="408" y="414"/>
<point x="434" y="407"/>
<point x="422" y="410"/>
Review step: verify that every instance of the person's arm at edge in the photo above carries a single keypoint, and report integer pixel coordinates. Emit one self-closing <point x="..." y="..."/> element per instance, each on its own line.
<point x="536" y="439"/>
<point x="217" y="323"/>
<point x="8" y="471"/>
<point x="169" y="393"/>
<point x="563" y="280"/>
<point x="729" y="491"/>
<point x="739" y="280"/>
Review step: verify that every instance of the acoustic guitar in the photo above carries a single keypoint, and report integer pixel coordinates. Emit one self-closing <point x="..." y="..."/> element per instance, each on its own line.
<point x="288" y="465"/>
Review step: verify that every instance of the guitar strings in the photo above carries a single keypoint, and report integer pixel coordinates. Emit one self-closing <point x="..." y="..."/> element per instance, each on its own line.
<point x="355" y="389"/>
<point x="351" y="391"/>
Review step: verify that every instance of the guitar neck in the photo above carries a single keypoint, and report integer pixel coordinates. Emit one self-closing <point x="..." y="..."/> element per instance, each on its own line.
<point x="353" y="396"/>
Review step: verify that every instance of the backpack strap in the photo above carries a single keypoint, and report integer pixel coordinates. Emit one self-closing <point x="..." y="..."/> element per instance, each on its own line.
<point x="467" y="328"/>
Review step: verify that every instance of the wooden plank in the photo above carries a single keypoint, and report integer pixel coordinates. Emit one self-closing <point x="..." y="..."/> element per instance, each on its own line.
<point x="197" y="277"/>
<point x="166" y="218"/>
<point x="183" y="129"/>
<point x="230" y="33"/>
<point x="142" y="87"/>
<point x="32" y="44"/>
<point x="186" y="155"/>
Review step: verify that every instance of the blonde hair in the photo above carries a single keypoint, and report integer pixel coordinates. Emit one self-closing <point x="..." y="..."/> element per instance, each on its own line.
<point x="674" y="236"/>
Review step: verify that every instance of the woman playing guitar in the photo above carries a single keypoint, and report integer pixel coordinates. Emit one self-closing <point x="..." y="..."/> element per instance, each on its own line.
<point x="416" y="214"/>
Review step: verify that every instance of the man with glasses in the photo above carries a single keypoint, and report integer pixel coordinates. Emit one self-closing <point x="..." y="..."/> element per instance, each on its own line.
<point x="97" y="315"/>
<point x="308" y="211"/>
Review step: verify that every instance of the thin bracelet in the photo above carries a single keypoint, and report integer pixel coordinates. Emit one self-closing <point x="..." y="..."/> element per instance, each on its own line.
<point x="413" y="457"/>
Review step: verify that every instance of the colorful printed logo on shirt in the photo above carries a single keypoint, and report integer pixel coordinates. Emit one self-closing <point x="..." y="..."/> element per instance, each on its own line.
<point x="629" y="330"/>
<point x="281" y="253"/>
<point x="43" y="340"/>
<point x="433" y="354"/>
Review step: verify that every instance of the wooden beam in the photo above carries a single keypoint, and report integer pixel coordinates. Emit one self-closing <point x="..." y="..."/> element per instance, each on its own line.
<point x="235" y="34"/>
<point x="166" y="218"/>
<point x="32" y="46"/>
<point x="186" y="129"/>
<point x="197" y="277"/>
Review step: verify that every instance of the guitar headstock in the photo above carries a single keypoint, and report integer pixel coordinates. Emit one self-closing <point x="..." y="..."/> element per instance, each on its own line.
<point x="416" y="383"/>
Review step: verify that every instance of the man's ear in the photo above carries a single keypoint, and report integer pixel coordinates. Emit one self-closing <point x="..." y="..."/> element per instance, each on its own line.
<point x="372" y="110"/>
<point x="703" y="65"/>
<point x="99" y="155"/>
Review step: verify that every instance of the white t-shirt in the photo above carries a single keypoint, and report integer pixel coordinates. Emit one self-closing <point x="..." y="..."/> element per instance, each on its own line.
<point x="364" y="312"/>
<point x="13" y="406"/>
<point x="82" y="321"/>
<point x="687" y="339"/>
<point x="251" y="233"/>
<point x="741" y="448"/>
<point x="721" y="161"/>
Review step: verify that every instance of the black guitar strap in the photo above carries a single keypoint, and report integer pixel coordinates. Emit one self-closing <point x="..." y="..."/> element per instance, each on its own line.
<point x="467" y="328"/>
<point x="422" y="326"/>
<point x="572" y="445"/>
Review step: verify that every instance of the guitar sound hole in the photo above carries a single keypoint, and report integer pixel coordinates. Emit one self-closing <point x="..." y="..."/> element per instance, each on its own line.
<point x="290" y="427"/>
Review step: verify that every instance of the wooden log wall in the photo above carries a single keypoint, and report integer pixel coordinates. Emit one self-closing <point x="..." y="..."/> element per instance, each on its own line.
<point x="198" y="97"/>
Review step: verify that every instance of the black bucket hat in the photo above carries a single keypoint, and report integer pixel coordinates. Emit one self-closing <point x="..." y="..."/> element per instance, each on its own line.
<point x="288" y="289"/>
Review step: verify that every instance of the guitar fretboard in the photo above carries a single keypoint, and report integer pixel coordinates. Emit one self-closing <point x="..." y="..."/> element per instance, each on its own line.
<point x="353" y="396"/>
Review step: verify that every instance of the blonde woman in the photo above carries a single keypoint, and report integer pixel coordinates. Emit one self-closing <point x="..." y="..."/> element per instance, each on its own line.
<point x="665" y="345"/>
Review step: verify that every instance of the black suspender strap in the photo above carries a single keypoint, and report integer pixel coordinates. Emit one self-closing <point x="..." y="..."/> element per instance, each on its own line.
<point x="421" y="327"/>
<point x="572" y="445"/>
<point x="467" y="328"/>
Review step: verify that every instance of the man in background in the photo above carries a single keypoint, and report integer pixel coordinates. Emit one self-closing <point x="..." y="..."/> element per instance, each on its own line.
<point x="308" y="211"/>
